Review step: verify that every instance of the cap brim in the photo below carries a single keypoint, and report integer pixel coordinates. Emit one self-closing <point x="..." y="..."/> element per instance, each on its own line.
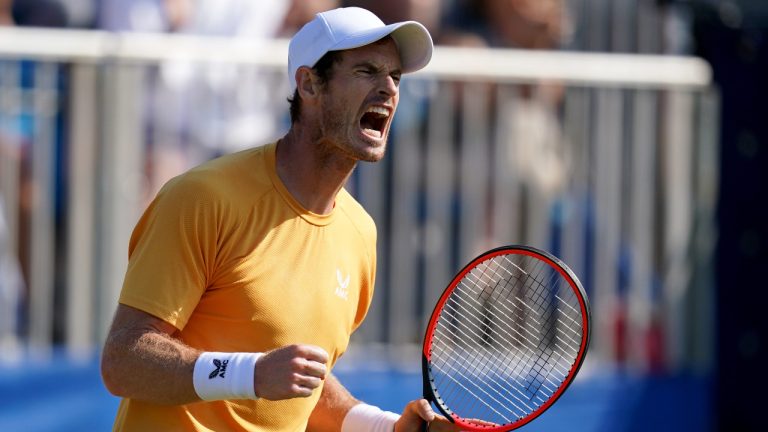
<point x="413" y="43"/>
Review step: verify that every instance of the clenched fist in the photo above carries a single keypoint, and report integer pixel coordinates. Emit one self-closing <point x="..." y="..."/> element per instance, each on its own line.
<point x="290" y="371"/>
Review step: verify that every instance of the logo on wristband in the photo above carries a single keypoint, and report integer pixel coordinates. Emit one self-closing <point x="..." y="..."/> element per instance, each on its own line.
<point x="221" y="367"/>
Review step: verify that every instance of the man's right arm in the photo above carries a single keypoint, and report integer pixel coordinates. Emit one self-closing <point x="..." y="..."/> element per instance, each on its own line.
<point x="142" y="360"/>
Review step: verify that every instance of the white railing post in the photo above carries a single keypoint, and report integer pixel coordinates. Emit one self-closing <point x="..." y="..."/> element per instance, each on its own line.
<point x="81" y="209"/>
<point x="121" y="178"/>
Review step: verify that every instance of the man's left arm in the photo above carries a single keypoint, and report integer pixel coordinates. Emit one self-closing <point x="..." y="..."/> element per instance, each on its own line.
<point x="336" y="402"/>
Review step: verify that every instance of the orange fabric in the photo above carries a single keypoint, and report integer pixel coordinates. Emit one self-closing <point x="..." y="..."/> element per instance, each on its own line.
<point x="227" y="256"/>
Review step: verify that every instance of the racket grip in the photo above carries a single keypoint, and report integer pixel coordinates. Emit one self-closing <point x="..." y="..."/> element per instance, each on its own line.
<point x="426" y="389"/>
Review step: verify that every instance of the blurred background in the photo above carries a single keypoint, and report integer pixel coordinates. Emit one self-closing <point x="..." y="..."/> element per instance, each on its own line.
<point x="627" y="137"/>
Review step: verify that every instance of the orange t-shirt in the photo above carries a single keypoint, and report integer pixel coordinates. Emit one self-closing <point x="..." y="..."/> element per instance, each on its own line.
<point x="226" y="255"/>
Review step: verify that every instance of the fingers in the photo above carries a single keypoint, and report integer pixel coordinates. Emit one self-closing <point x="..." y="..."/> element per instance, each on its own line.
<point x="311" y="362"/>
<point x="414" y="416"/>
<point x="314" y="353"/>
<point x="290" y="371"/>
<point x="419" y="412"/>
<point x="424" y="410"/>
<point x="308" y="381"/>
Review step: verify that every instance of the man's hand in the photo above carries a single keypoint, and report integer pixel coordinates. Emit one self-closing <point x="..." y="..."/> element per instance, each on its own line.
<point x="419" y="411"/>
<point x="289" y="372"/>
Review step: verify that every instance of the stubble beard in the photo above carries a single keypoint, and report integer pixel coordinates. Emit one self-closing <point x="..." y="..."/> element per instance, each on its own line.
<point x="338" y="134"/>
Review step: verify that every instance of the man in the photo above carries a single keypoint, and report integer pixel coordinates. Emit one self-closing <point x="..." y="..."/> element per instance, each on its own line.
<point x="248" y="274"/>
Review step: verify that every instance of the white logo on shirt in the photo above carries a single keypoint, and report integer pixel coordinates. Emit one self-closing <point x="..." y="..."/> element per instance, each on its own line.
<point x="342" y="289"/>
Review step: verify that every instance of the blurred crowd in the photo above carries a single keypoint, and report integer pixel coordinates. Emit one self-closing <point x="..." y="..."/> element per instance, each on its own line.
<point x="517" y="23"/>
<point x="232" y="110"/>
<point x="238" y="121"/>
<point x="180" y="137"/>
<point x="193" y="112"/>
<point x="730" y="34"/>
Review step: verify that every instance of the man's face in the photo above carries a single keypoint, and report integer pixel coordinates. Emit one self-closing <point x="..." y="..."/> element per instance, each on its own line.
<point x="359" y="101"/>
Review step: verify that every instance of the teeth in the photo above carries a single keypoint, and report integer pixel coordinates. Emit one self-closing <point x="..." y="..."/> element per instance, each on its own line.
<point x="378" y="110"/>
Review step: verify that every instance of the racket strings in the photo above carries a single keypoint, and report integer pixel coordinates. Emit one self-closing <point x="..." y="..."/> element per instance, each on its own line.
<point x="496" y="380"/>
<point x="546" y="303"/>
<point x="506" y="340"/>
<point x="474" y="355"/>
<point x="547" y="320"/>
<point x="482" y="373"/>
<point x="535" y="340"/>
<point x="470" y="375"/>
<point x="520" y="357"/>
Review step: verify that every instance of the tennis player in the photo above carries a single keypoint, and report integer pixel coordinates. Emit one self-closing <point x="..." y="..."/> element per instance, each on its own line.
<point x="248" y="274"/>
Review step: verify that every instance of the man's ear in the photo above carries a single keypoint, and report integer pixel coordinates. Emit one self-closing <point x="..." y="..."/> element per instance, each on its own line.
<point x="307" y="83"/>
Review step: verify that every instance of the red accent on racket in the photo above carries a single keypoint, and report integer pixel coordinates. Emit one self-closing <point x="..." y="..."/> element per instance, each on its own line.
<point x="505" y="340"/>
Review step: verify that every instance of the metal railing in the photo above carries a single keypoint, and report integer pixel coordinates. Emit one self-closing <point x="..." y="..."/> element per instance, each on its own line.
<point x="608" y="161"/>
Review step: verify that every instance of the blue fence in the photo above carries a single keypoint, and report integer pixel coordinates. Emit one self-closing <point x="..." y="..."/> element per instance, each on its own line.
<point x="66" y="395"/>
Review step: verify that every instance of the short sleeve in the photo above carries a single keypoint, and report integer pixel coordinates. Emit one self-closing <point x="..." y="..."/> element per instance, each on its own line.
<point x="172" y="251"/>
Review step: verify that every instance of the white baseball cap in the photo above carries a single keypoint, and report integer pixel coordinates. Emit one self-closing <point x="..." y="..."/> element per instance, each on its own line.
<point x="352" y="27"/>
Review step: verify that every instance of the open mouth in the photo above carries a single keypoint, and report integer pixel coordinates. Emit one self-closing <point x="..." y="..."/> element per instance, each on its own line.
<point x="374" y="121"/>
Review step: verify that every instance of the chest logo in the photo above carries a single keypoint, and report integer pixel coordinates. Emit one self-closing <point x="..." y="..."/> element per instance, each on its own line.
<point x="342" y="289"/>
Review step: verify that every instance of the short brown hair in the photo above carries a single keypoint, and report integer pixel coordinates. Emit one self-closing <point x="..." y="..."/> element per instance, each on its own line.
<point x="324" y="70"/>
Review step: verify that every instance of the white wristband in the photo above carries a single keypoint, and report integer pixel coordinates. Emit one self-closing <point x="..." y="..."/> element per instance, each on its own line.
<point x="368" y="418"/>
<point x="219" y="375"/>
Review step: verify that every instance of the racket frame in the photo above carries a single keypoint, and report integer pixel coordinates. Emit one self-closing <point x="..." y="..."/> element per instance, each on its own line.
<point x="429" y="390"/>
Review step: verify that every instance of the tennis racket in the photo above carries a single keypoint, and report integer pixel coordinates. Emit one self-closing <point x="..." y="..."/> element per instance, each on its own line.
<point x="505" y="340"/>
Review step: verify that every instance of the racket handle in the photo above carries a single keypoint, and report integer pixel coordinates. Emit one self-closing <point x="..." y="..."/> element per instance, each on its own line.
<point x="426" y="387"/>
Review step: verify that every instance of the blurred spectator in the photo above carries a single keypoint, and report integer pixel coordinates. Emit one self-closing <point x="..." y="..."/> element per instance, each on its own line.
<point x="540" y="150"/>
<point x="6" y="16"/>
<point x="11" y="289"/>
<point x="529" y="24"/>
<point x="301" y="12"/>
<point x="427" y="12"/>
<point x="535" y="24"/>
<point x="34" y="13"/>
<point x="536" y="145"/>
<point x="17" y="144"/>
<point x="196" y="111"/>
<point x="138" y="15"/>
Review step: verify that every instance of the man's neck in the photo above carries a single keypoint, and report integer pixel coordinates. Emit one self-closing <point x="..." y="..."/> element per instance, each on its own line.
<point x="312" y="176"/>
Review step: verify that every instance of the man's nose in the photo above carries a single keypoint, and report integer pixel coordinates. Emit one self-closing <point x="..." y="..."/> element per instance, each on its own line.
<point x="389" y="86"/>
